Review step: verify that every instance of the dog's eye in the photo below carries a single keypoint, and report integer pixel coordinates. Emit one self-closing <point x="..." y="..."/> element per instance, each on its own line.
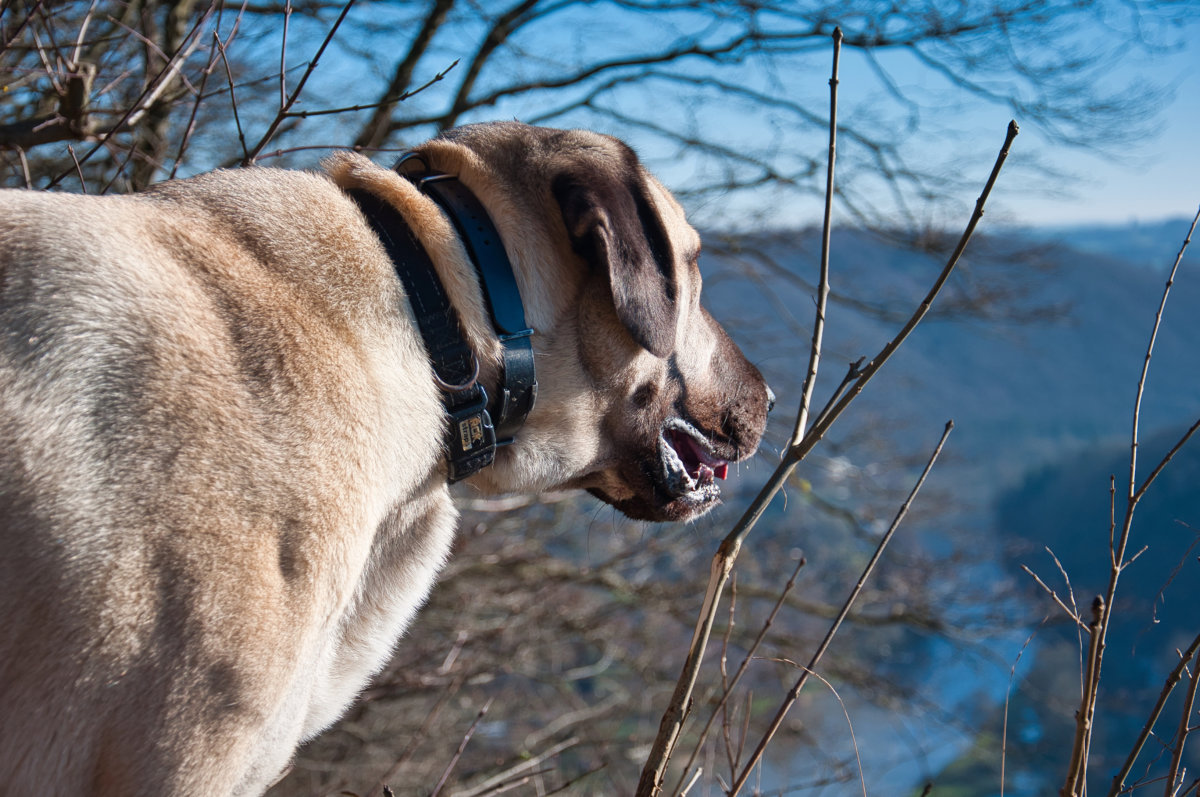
<point x="644" y="395"/>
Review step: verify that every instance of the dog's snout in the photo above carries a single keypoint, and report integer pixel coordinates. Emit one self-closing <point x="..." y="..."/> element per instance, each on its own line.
<point x="770" y="397"/>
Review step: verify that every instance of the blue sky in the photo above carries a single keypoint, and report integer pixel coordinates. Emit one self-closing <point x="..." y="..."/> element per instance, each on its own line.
<point x="1156" y="177"/>
<point x="1153" y="179"/>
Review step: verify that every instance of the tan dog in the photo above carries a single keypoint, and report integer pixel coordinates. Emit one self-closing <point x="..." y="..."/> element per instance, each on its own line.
<point x="222" y="490"/>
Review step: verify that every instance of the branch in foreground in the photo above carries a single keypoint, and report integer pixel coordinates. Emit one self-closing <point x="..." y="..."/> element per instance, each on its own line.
<point x="676" y="713"/>
<point x="462" y="745"/>
<point x="1077" y="766"/>
<point x="814" y="358"/>
<point x="1117" y="547"/>
<point x="800" y="450"/>
<point x="1012" y="674"/>
<point x="837" y="623"/>
<point x="1077" y="771"/>
<point x="862" y="780"/>
<point x="654" y="772"/>
<point x="1118" y="782"/>
<point x="728" y="691"/>
<point x="1174" y="774"/>
<point x="1054" y="596"/>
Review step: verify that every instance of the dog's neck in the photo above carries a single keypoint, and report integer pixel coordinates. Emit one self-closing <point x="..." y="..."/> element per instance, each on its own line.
<point x="478" y="425"/>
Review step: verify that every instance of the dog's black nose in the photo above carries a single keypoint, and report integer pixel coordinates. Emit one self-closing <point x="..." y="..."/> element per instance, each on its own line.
<point x="770" y="397"/>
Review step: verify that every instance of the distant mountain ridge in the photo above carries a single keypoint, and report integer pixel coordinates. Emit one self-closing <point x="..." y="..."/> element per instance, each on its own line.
<point x="1151" y="244"/>
<point x="1042" y="410"/>
<point x="1016" y="388"/>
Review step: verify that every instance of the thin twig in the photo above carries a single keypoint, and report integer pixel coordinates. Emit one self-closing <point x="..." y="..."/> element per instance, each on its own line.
<point x="287" y="16"/>
<point x="1112" y="520"/>
<point x="1077" y="768"/>
<point x="289" y="150"/>
<point x="1066" y="578"/>
<point x="758" y="640"/>
<point x="725" y="732"/>
<point x="744" y="734"/>
<point x="25" y="167"/>
<point x="814" y="356"/>
<point x="1007" y="698"/>
<point x="1160" y="599"/>
<point x="794" y="693"/>
<point x="389" y="101"/>
<point x="461" y="747"/>
<point x="375" y="131"/>
<point x="1080" y="626"/>
<point x="1141" y="385"/>
<point x="845" y="713"/>
<point x="40" y="49"/>
<point x="79" y="37"/>
<point x="381" y="786"/>
<point x="37" y="6"/>
<point x="575" y="780"/>
<point x="191" y="123"/>
<point x="1167" y="459"/>
<point x="695" y="777"/>
<point x="491" y="783"/>
<point x="78" y="169"/>
<point x="126" y="157"/>
<point x="1185" y="718"/>
<point x="1054" y="595"/>
<point x="295" y="95"/>
<point x="232" y="93"/>
<point x="852" y="373"/>
<point x="514" y="783"/>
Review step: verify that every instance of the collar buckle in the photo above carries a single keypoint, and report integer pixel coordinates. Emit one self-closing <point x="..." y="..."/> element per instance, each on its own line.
<point x="471" y="441"/>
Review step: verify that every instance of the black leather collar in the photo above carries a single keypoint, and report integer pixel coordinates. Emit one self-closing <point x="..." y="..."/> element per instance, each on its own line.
<point x="472" y="437"/>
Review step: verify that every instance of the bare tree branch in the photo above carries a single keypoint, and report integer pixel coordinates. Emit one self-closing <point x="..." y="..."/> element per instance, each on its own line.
<point x="70" y="122"/>
<point x="295" y="95"/>
<point x="375" y="131"/>
<point x="722" y="563"/>
<point x="794" y="693"/>
<point x="1173" y="678"/>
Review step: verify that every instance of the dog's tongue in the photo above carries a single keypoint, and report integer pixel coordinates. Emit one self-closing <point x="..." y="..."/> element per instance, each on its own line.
<point x="697" y="461"/>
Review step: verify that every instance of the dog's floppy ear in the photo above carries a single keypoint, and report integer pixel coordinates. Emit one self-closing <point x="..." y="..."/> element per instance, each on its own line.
<point x="613" y="227"/>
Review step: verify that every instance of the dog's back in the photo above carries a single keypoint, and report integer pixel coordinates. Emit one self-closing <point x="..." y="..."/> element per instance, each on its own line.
<point x="176" y="389"/>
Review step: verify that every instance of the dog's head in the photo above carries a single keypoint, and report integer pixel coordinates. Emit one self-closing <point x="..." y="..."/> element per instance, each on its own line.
<point x="643" y="399"/>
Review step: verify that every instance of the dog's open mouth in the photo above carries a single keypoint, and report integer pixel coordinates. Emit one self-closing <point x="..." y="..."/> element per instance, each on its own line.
<point x="689" y="466"/>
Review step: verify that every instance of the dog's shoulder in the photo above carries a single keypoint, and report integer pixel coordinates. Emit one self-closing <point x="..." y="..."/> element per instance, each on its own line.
<point x="236" y="304"/>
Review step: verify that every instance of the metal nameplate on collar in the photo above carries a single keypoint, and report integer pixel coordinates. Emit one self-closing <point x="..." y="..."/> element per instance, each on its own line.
<point x="471" y="438"/>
